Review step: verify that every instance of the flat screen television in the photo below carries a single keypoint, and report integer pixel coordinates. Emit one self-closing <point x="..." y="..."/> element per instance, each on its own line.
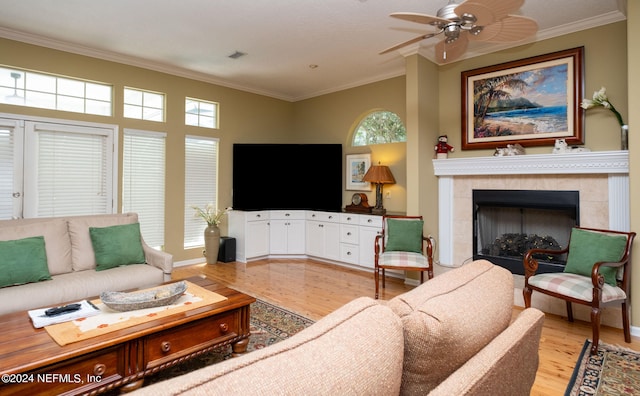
<point x="287" y="176"/>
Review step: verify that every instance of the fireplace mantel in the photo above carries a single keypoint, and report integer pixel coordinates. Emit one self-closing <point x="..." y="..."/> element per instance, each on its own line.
<point x="614" y="164"/>
<point x="610" y="162"/>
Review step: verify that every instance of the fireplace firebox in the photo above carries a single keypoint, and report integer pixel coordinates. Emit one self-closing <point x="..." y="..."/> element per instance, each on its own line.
<point x="507" y="223"/>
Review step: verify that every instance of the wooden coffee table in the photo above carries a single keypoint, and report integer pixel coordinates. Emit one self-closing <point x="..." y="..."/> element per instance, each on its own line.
<point x="31" y="362"/>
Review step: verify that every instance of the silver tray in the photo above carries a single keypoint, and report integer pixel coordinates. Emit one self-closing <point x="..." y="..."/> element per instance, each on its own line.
<point x="157" y="297"/>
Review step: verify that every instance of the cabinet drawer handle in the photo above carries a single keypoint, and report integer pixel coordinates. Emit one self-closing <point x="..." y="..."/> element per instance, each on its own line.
<point x="165" y="346"/>
<point x="369" y="221"/>
<point x="330" y="217"/>
<point x="348" y="233"/>
<point x="348" y="253"/>
<point x="99" y="369"/>
<point x="348" y="218"/>
<point x="224" y="327"/>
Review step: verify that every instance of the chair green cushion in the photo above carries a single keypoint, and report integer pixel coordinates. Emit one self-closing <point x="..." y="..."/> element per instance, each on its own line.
<point x="404" y="235"/>
<point x="117" y="245"/>
<point x="23" y="261"/>
<point x="589" y="247"/>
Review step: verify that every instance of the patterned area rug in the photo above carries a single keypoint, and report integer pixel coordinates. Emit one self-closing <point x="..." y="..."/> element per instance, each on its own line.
<point x="613" y="371"/>
<point x="269" y="325"/>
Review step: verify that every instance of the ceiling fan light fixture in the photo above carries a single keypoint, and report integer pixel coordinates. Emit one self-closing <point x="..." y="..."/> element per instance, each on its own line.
<point x="476" y="30"/>
<point x="468" y="20"/>
<point x="452" y="32"/>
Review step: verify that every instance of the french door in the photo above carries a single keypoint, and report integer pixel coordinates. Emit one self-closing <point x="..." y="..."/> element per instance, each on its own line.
<point x="51" y="168"/>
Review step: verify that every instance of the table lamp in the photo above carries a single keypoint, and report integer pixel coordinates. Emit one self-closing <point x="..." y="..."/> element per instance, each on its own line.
<point x="379" y="174"/>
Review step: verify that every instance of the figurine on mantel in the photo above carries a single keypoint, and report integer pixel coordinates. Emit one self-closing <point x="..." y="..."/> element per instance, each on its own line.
<point x="561" y="147"/>
<point x="442" y="148"/>
<point x="511" y="149"/>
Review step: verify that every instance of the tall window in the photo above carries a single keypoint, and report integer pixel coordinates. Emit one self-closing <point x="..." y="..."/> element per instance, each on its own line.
<point x="143" y="187"/>
<point x="201" y="113"/>
<point x="201" y="185"/>
<point x="143" y="105"/>
<point x="380" y="127"/>
<point x="46" y="91"/>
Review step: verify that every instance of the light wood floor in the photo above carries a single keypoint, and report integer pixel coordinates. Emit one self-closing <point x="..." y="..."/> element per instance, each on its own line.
<point x="314" y="289"/>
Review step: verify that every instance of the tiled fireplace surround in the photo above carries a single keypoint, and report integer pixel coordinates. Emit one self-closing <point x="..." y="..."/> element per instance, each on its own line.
<point x="602" y="178"/>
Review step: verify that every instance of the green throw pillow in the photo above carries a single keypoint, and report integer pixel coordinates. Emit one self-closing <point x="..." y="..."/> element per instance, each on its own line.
<point x="117" y="245"/>
<point x="404" y="235"/>
<point x="23" y="261"/>
<point x="588" y="247"/>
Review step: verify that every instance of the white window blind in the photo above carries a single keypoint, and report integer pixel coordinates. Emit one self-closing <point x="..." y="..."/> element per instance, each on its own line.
<point x="70" y="170"/>
<point x="10" y="169"/>
<point x="201" y="184"/>
<point x="143" y="187"/>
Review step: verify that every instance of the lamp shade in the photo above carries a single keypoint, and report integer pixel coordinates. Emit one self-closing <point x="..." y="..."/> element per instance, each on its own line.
<point x="379" y="174"/>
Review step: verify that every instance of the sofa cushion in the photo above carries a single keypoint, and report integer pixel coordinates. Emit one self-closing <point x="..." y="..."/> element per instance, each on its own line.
<point x="23" y="261"/>
<point x="355" y="350"/>
<point x="82" y="254"/>
<point x="589" y="247"/>
<point x="56" y="239"/>
<point x="449" y="318"/>
<point x="116" y="245"/>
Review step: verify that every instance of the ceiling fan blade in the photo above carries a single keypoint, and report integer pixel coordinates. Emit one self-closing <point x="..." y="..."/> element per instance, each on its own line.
<point x="448" y="52"/>
<point x="421" y="18"/>
<point x="511" y="28"/>
<point x="488" y="11"/>
<point x="413" y="40"/>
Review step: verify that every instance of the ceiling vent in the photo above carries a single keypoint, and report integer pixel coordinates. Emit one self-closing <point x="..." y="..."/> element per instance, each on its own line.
<point x="237" y="55"/>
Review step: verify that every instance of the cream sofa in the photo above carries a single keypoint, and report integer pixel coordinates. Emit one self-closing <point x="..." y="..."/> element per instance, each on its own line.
<point x="452" y="335"/>
<point x="72" y="264"/>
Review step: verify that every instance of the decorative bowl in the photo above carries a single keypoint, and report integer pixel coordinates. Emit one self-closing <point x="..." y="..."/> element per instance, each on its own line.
<point x="157" y="297"/>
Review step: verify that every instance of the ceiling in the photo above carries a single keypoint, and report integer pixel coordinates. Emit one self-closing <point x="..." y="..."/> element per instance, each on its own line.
<point x="295" y="49"/>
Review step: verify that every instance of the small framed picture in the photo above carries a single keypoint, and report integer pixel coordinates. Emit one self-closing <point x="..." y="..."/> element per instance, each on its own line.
<point x="357" y="166"/>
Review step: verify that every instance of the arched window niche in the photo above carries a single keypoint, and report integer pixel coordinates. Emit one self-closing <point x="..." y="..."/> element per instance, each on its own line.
<point x="378" y="127"/>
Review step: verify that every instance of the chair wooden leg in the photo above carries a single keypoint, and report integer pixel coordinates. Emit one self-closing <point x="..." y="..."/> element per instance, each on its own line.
<point x="376" y="276"/>
<point x="570" y="311"/>
<point x="595" y="327"/>
<point x="421" y="277"/>
<point x="625" y="321"/>
<point x="526" y="293"/>
<point x="383" y="279"/>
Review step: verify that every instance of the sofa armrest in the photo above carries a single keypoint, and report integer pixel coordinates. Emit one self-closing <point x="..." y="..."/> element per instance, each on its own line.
<point x="506" y="366"/>
<point x="159" y="259"/>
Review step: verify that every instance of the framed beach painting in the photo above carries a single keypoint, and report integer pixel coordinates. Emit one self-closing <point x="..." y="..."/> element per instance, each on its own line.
<point x="531" y="102"/>
<point x="357" y="166"/>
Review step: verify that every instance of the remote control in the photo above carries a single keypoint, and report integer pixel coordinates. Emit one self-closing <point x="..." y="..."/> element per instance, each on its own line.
<point x="62" y="310"/>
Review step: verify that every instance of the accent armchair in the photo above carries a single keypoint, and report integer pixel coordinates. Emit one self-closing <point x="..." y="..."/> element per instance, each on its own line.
<point x="402" y="246"/>
<point x="598" y="271"/>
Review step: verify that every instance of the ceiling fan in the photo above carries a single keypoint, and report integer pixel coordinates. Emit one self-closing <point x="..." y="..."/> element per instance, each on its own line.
<point x="471" y="20"/>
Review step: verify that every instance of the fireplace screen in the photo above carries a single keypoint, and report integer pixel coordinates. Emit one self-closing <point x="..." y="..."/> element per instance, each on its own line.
<point x="507" y="223"/>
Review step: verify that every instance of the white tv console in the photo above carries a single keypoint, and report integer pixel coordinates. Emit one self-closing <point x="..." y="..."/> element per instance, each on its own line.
<point x="342" y="238"/>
